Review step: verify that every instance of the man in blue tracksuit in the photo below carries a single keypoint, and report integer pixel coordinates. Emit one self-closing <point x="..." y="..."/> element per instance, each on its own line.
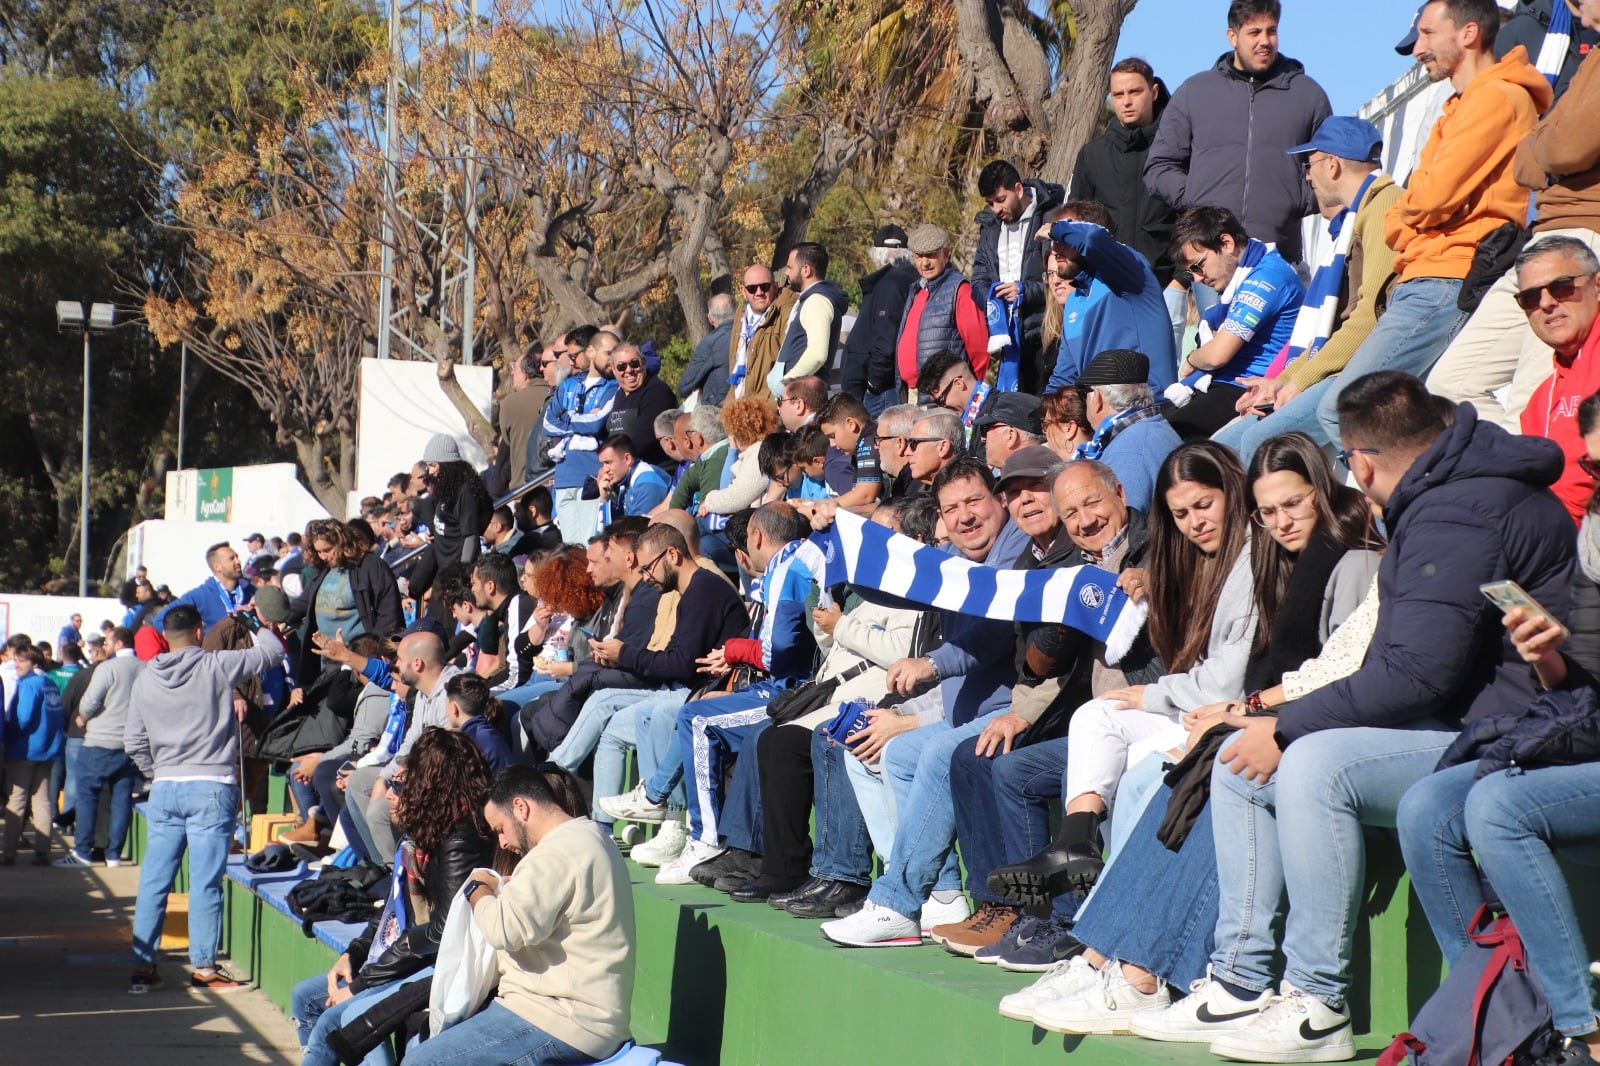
<point x="1116" y="302"/>
<point x="783" y="648"/>
<point x="574" y="425"/>
<point x="221" y="594"/>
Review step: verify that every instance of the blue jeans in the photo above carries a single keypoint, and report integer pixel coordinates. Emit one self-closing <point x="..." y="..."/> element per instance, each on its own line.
<point x="878" y="402"/>
<point x="709" y="732"/>
<point x="529" y="690"/>
<point x="1002" y="806"/>
<point x="1513" y="820"/>
<point x="314" y="1020"/>
<point x="917" y="767"/>
<point x="584" y="735"/>
<point x="201" y="816"/>
<point x="842" y="850"/>
<point x="1419" y="324"/>
<point x="495" y="1034"/>
<point x="69" y="771"/>
<point x="1300" y="414"/>
<point x="1300" y="834"/>
<point x="649" y="726"/>
<point x="741" y="820"/>
<point x="97" y="769"/>
<point x="575" y="516"/>
<point x="1160" y="908"/>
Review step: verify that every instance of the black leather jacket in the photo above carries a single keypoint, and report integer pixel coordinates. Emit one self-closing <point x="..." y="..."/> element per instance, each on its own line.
<point x="462" y="852"/>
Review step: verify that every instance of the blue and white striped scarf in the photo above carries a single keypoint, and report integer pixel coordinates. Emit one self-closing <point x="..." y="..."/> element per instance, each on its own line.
<point x="1085" y="598"/>
<point x="1557" y="41"/>
<point x="1313" y="325"/>
<point x="1005" y="337"/>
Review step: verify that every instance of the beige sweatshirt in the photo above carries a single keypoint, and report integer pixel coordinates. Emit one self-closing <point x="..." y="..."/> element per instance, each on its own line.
<point x="562" y="926"/>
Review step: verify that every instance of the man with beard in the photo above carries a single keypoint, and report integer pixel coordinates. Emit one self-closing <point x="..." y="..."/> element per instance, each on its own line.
<point x="1008" y="256"/>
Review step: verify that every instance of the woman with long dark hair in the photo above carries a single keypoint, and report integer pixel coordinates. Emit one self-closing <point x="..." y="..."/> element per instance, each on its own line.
<point x="351" y="591"/>
<point x="437" y="800"/>
<point x="1155" y="907"/>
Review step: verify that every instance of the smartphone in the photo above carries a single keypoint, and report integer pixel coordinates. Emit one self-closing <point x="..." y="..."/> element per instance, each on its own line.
<point x="1264" y="409"/>
<point x="1508" y="594"/>
<point x="345" y="767"/>
<point x="587" y="632"/>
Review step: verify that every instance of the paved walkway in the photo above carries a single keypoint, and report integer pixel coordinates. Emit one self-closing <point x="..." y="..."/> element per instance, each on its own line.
<point x="64" y="968"/>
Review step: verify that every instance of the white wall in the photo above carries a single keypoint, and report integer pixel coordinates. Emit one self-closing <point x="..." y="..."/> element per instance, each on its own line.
<point x="41" y="617"/>
<point x="269" y="496"/>
<point x="401" y="407"/>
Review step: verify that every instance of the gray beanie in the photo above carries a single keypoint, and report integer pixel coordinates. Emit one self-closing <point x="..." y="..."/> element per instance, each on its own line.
<point x="441" y="448"/>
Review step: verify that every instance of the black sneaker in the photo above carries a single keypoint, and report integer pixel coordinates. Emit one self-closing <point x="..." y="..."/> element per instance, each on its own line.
<point x="1051" y="942"/>
<point x="145" y="979"/>
<point x="731" y="859"/>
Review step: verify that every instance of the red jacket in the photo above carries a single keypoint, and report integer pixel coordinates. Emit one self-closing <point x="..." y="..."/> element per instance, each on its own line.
<point x="1552" y="412"/>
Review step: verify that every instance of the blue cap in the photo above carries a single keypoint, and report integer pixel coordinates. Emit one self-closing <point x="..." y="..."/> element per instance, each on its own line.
<point x="1409" y="41"/>
<point x="1345" y="136"/>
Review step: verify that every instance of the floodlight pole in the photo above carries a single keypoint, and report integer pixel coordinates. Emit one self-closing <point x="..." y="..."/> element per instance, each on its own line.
<point x="83" y="501"/>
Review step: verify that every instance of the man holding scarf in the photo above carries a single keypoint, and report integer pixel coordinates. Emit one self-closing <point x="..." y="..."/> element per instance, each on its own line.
<point x="1341" y="165"/>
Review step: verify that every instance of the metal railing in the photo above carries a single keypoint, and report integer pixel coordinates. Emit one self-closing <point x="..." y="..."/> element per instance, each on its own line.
<point x="515" y="494"/>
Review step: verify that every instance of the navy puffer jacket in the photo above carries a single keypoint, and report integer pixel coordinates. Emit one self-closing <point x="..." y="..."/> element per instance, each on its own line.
<point x="1560" y="728"/>
<point x="1475" y="507"/>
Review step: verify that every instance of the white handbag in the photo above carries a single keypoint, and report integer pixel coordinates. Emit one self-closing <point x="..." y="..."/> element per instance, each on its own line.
<point x="465" y="972"/>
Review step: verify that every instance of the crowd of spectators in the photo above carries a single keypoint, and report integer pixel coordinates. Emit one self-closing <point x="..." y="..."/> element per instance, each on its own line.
<point x="1304" y="494"/>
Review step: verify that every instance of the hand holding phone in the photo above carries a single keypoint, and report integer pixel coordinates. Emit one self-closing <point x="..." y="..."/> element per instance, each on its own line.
<point x="1535" y="632"/>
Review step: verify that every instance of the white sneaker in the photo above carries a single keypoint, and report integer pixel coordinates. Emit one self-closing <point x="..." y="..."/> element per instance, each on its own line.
<point x="1296" y="1027"/>
<point x="113" y="862"/>
<point x="1105" y="1005"/>
<point x="676" y="870"/>
<point x="1200" y="1017"/>
<point x="874" y="926"/>
<point x="1058" y="982"/>
<point x="633" y="806"/>
<point x="936" y="913"/>
<point x="663" y="847"/>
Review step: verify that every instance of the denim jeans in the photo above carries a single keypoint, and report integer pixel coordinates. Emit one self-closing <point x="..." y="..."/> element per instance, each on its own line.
<point x="495" y="1034"/>
<point x="917" y="768"/>
<point x="842" y="850"/>
<point x="67" y="786"/>
<point x="1513" y="820"/>
<point x="97" y="769"/>
<point x="199" y="816"/>
<point x="1300" y="414"/>
<point x="878" y="402"/>
<point x="650" y="727"/>
<point x="529" y="690"/>
<point x="1177" y="301"/>
<point x="741" y="821"/>
<point x="1300" y="833"/>
<point x="1160" y="906"/>
<point x="585" y="733"/>
<point x="709" y="732"/>
<point x="1002" y="806"/>
<point x="575" y="516"/>
<point x="1421" y="321"/>
<point x="314" y="1020"/>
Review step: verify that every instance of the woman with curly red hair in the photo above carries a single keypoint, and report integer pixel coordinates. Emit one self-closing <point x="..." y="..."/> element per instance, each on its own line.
<point x="568" y="598"/>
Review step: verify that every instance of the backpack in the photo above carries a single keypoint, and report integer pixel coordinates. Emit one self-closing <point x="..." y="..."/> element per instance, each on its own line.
<point x="332" y="900"/>
<point x="1492" y="986"/>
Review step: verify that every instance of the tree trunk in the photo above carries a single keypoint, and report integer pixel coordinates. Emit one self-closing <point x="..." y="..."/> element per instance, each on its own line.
<point x="1079" y="99"/>
<point x="312" y="456"/>
<point x="478" y="427"/>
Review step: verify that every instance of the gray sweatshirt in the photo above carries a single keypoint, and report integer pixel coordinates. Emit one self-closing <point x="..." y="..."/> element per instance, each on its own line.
<point x="181" y="721"/>
<point x="372" y="715"/>
<point x="105" y="702"/>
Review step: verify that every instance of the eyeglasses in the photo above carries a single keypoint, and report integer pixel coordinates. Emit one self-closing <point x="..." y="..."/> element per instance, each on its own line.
<point x="1344" y="456"/>
<point x="1295" y="507"/>
<point x="1589" y="466"/>
<point x="1561" y="290"/>
<point x="627" y="368"/>
<point x="644" y="571"/>
<point x="790" y="399"/>
<point x="756" y="290"/>
<point x="939" y="397"/>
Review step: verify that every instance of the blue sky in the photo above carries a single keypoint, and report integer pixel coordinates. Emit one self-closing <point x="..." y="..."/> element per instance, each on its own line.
<point x="1347" y="46"/>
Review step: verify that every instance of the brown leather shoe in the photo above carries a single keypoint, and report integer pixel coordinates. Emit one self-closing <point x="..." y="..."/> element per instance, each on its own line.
<point x="304" y="833"/>
<point x="987" y="927"/>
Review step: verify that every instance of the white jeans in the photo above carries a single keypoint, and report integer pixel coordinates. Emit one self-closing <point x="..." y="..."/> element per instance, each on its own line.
<point x="1103" y="741"/>
<point x="1496" y="349"/>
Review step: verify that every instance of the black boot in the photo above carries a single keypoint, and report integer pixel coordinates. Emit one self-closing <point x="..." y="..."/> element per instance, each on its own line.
<point x="827" y="903"/>
<point x="1071" y="861"/>
<point x="762" y="889"/>
<point x="780" y="900"/>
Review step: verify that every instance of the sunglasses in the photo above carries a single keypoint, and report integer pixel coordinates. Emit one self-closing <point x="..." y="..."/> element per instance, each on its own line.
<point x="625" y="368"/>
<point x="917" y="442"/>
<point x="756" y="290"/>
<point x="1561" y="290"/>
<point x="1589" y="466"/>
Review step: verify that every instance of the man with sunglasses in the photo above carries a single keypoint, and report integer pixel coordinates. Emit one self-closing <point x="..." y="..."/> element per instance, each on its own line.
<point x="1556" y="289"/>
<point x="1560" y="161"/>
<point x="757" y="332"/>
<point x="641" y="398"/>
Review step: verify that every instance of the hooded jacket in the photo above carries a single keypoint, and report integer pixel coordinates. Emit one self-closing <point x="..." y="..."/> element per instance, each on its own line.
<point x="181" y="721"/>
<point x="1560" y="159"/>
<point x="1110" y="169"/>
<point x="868" y="364"/>
<point x="1047" y="196"/>
<point x="1222" y="142"/>
<point x="35" y="724"/>
<point x="1463" y="188"/>
<point x="1475" y="507"/>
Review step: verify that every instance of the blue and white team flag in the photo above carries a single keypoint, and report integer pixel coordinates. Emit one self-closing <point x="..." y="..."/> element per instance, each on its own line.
<point x="1005" y="338"/>
<point x="1085" y="598"/>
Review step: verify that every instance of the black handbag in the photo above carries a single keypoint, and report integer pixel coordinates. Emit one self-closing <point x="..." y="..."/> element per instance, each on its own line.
<point x="355" y="1040"/>
<point x="795" y="703"/>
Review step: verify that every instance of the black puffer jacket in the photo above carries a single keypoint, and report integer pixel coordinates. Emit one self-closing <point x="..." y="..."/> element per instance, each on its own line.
<point x="1560" y="728"/>
<point x="1047" y="196"/>
<point x="868" y="364"/>
<point x="1110" y="169"/>
<point x="1221" y="143"/>
<point x="460" y="853"/>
